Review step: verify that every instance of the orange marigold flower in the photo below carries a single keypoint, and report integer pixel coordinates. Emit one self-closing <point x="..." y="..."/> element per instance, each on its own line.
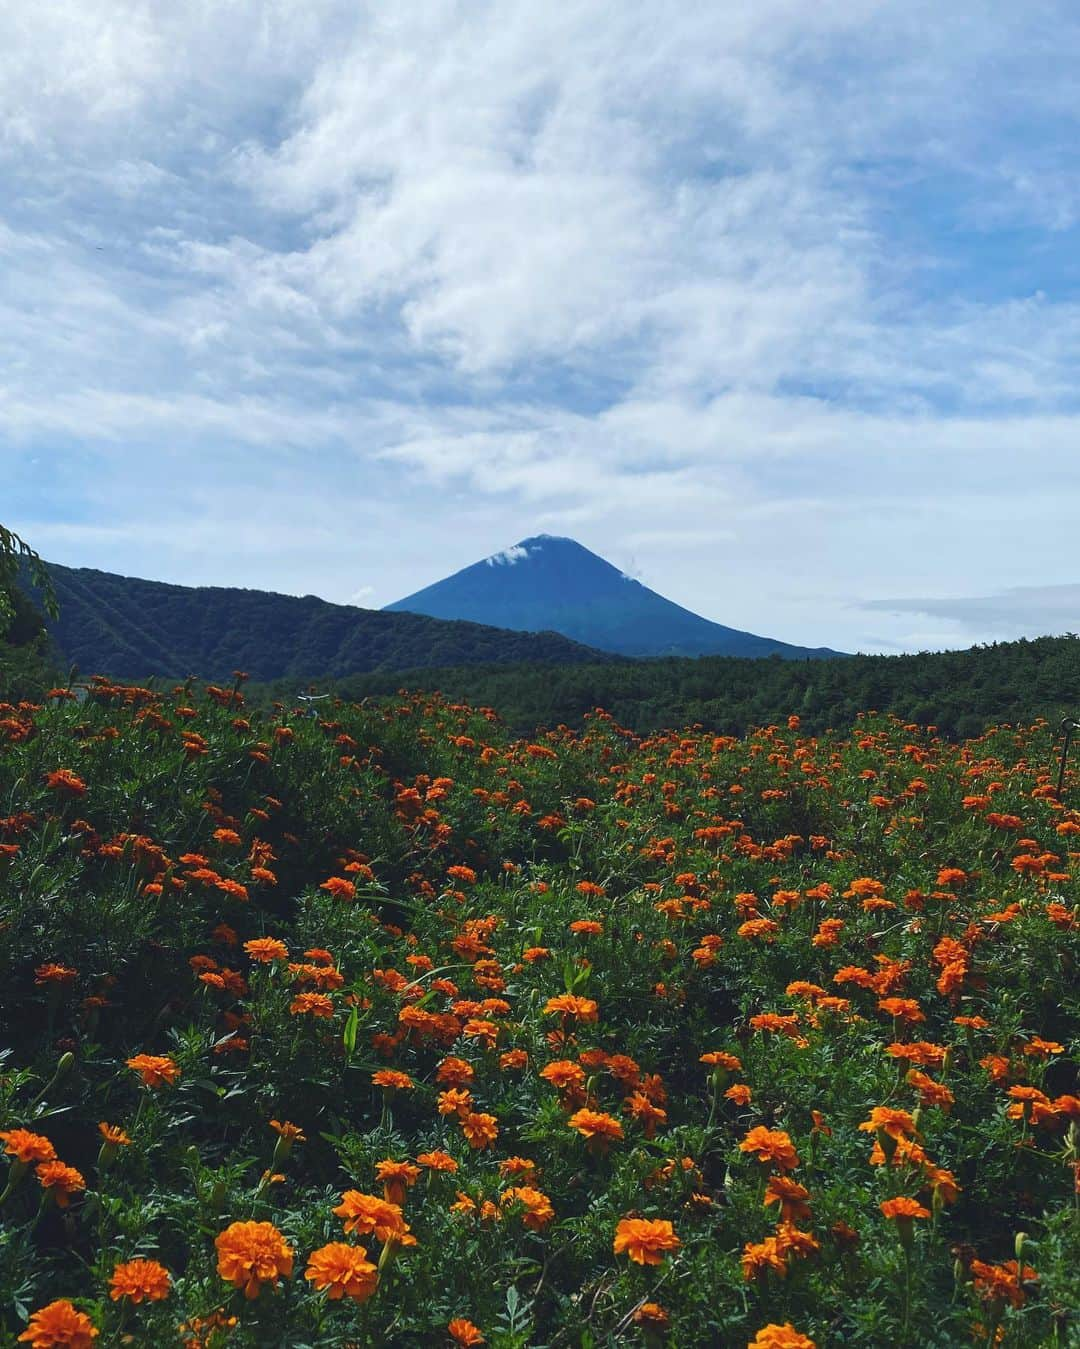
<point x="51" y="973"/>
<point x="651" y="1316"/>
<point x="570" y="1006"/>
<point x="902" y="1208"/>
<point x="1002" y="1283"/>
<point x="463" y="1332"/>
<point x="339" y="887"/>
<point x="59" y="1326"/>
<point x="760" y="1256"/>
<point x="251" y="1254"/>
<point x="140" y="1281"/>
<point x="367" y="1214"/>
<point x="27" y="1147"/>
<point x="341" y="1271"/>
<point x="588" y="927"/>
<point x="564" y="1074"/>
<point x="776" y="1336"/>
<point x="266" y="949"/>
<point x="312" y="1004"/>
<point x="114" y="1135"/>
<point x="791" y="1196"/>
<point x="156" y="1070"/>
<point x="536" y="1205"/>
<point x="717" y="1058"/>
<point x="292" y="1133"/>
<point x="894" y="1123"/>
<point x="480" y="1130"/>
<point x="595" y="1124"/>
<point x="64" y="780"/>
<point x="645" y="1240"/>
<point x="739" y="1093"/>
<point x="391" y="1080"/>
<point x="437" y="1161"/>
<point x="772" y="1146"/>
<point x="62" y="1180"/>
<point x="396" y="1178"/>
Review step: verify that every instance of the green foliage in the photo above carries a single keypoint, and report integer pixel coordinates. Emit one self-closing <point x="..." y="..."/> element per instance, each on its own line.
<point x="17" y="558"/>
<point x="146" y="839"/>
<point x="958" y="692"/>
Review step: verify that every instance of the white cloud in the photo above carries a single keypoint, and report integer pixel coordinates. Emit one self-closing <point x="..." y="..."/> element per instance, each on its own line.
<point x="769" y="302"/>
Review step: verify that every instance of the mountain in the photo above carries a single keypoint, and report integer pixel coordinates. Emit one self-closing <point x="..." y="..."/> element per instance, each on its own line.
<point x="130" y="629"/>
<point x="552" y="583"/>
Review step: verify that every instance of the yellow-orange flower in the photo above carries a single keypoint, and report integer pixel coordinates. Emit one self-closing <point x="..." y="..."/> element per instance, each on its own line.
<point x="645" y="1240"/>
<point x="480" y="1130"/>
<point x="463" y="1332"/>
<point x="155" y="1070"/>
<point x="396" y="1178"/>
<point x="902" y="1208"/>
<point x="251" y="1254"/>
<point x="368" y="1215"/>
<point x="61" y="1180"/>
<point x="594" y="1124"/>
<point x="59" y="1326"/>
<point x="140" y="1281"/>
<point x="27" y="1147"/>
<point x="772" y="1146"/>
<point x="341" y="1271"/>
<point x="536" y="1205"/>
<point x="571" y="1007"/>
<point x="780" y="1337"/>
<point x="114" y="1136"/>
<point x="266" y="949"/>
<point x="391" y="1080"/>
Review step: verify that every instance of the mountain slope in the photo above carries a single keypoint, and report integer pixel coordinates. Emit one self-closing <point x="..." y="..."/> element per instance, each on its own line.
<point x="131" y="628"/>
<point x="552" y="583"/>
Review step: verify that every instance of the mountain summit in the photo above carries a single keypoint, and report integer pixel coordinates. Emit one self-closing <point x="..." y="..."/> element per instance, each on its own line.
<point x="553" y="584"/>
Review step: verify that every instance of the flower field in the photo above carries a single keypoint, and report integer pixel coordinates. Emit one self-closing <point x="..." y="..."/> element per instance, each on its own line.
<point x="387" y="1029"/>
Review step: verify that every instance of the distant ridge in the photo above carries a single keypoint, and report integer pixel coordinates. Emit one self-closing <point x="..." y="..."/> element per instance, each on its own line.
<point x="131" y="629"/>
<point x="556" y="584"/>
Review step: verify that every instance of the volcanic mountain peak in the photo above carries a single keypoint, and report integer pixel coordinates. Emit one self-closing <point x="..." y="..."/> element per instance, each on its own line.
<point x="549" y="583"/>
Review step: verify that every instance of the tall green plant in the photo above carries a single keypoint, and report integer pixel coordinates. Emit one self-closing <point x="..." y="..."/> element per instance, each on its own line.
<point x="15" y="555"/>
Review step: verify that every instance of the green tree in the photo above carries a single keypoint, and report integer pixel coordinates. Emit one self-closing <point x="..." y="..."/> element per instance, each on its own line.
<point x="18" y="558"/>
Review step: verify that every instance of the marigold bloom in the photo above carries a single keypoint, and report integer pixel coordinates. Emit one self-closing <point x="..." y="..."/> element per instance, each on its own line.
<point x="587" y="927"/>
<point x="64" y="780"/>
<point x="114" y="1136"/>
<point x="312" y="1004"/>
<point x="52" y="973"/>
<point x="783" y="1336"/>
<point x="645" y="1240"/>
<point x="570" y="1006"/>
<point x="62" y="1180"/>
<point x="536" y="1205"/>
<point x="718" y="1058"/>
<point x="292" y="1133"/>
<point x="884" y="1119"/>
<point x="266" y="949"/>
<point x="772" y="1146"/>
<point x="156" y="1070"/>
<point x="595" y="1124"/>
<point x="396" y="1178"/>
<point x="251" y="1254"/>
<point x="480" y="1130"/>
<point x="790" y="1195"/>
<point x="739" y="1093"/>
<point x="455" y="1072"/>
<point x="902" y="1208"/>
<point x="59" y="1326"/>
<point x="341" y="1271"/>
<point x="1001" y="1283"/>
<point x="564" y="1074"/>
<point x="391" y="1080"/>
<point x="463" y="1332"/>
<point x="140" y="1281"/>
<point x="27" y="1147"/>
<point x="652" y="1316"/>
<point x="757" y="1257"/>
<point x="437" y="1161"/>
<point x="367" y="1214"/>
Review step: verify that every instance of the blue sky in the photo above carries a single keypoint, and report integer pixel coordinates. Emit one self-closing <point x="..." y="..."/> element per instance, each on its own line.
<point x="776" y="304"/>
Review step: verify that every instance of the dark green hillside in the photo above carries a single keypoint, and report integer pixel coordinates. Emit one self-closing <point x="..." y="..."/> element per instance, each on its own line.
<point x="961" y="692"/>
<point x="130" y="629"/>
